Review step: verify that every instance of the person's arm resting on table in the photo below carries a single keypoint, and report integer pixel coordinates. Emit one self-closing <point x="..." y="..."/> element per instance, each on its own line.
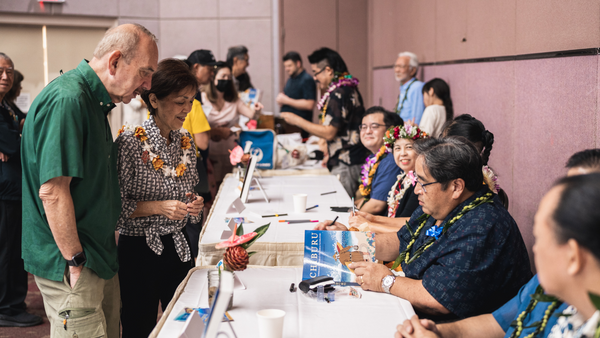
<point x="373" y="206"/>
<point x="410" y="289"/>
<point x="60" y="212"/>
<point x="473" y="327"/>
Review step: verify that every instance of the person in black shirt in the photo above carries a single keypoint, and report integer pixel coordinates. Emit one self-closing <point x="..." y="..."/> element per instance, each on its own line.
<point x="342" y="110"/>
<point x="238" y="60"/>
<point x="300" y="90"/>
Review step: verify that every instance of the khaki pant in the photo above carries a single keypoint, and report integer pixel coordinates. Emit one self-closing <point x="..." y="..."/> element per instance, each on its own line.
<point x="93" y="306"/>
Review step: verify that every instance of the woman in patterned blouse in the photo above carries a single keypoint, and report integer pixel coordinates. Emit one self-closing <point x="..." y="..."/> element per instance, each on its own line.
<point x="157" y="175"/>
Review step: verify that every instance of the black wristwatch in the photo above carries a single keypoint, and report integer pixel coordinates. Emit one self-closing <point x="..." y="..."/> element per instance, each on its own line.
<point x="77" y="260"/>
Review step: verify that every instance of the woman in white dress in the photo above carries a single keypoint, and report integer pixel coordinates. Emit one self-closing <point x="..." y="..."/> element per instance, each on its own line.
<point x="436" y="96"/>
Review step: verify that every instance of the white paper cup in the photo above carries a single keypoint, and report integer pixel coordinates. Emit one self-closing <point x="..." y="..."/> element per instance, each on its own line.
<point x="270" y="323"/>
<point x="300" y="203"/>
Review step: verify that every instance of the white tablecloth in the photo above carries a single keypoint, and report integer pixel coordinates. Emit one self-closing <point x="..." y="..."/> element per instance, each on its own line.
<point x="374" y="315"/>
<point x="282" y="245"/>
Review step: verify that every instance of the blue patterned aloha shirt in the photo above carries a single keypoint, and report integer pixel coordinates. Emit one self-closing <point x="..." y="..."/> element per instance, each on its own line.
<point x="479" y="264"/>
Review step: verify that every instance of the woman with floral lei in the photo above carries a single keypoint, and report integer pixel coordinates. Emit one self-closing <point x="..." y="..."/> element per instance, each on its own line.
<point x="402" y="200"/>
<point x="342" y="110"/>
<point x="157" y="175"/>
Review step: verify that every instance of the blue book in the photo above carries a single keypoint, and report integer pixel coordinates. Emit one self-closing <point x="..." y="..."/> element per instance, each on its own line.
<point x="328" y="253"/>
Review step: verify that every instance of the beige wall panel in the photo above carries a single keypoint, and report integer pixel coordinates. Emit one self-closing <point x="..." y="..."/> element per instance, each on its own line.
<point x="491" y="28"/>
<point x="450" y="28"/>
<point x="139" y="8"/>
<point x="416" y="29"/>
<point x="70" y="7"/>
<point x="553" y="25"/>
<point x="353" y="41"/>
<point x="309" y="25"/>
<point x="68" y="46"/>
<point x="255" y="34"/>
<point x="188" y="8"/>
<point x="181" y="37"/>
<point x="23" y="44"/>
<point x="384" y="32"/>
<point x="245" y="8"/>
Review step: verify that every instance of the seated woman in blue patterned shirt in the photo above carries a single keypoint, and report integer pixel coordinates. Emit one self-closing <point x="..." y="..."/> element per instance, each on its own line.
<point x="157" y="175"/>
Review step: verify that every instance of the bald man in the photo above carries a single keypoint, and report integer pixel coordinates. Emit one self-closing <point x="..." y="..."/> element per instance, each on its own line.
<point x="71" y="198"/>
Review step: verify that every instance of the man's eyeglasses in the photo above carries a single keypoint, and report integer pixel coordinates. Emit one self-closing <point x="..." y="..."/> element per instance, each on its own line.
<point x="319" y="72"/>
<point x="424" y="185"/>
<point x="9" y="71"/>
<point x="373" y="126"/>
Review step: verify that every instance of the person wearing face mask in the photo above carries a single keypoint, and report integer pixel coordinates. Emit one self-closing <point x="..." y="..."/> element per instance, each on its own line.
<point x="223" y="107"/>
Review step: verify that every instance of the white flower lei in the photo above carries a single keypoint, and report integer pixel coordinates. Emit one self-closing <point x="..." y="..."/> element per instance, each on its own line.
<point x="168" y="171"/>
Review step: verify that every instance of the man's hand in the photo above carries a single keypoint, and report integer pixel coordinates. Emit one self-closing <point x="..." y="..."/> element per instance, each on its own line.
<point x="257" y="107"/>
<point x="196" y="205"/>
<point x="369" y="274"/>
<point x="414" y="327"/>
<point x="173" y="209"/>
<point x="3" y="157"/>
<point x="74" y="272"/>
<point x="325" y="225"/>
<point x="219" y="133"/>
<point x="282" y="99"/>
<point x="291" y="118"/>
<point x="359" y="218"/>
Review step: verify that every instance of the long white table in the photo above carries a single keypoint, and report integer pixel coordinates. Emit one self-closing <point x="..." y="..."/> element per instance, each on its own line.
<point x="374" y="315"/>
<point x="283" y="244"/>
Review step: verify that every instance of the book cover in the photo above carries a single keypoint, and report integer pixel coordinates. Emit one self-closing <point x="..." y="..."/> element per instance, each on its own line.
<point x="328" y="253"/>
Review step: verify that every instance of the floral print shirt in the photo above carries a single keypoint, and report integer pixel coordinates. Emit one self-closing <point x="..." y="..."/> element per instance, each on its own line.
<point x="140" y="181"/>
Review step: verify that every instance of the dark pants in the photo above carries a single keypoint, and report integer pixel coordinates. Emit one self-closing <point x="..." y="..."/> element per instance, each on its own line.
<point x="146" y="278"/>
<point x="193" y="235"/>
<point x="13" y="278"/>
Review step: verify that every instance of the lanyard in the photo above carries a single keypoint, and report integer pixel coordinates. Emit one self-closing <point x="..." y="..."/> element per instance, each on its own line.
<point x="405" y="96"/>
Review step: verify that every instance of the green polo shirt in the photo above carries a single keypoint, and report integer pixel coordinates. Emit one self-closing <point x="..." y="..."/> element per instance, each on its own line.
<point x="66" y="133"/>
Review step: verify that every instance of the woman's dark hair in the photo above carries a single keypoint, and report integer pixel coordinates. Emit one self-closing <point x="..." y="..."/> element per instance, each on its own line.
<point x="473" y="130"/>
<point x="11" y="95"/>
<point x="389" y="118"/>
<point x="294" y="56"/>
<point x="442" y="91"/>
<point x="171" y="76"/>
<point x="577" y="213"/>
<point x="328" y="57"/>
<point x="449" y="158"/>
<point x="589" y="158"/>
<point x="230" y="94"/>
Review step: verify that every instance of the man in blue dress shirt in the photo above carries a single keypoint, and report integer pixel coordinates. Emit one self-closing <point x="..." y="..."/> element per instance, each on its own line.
<point x="410" y="104"/>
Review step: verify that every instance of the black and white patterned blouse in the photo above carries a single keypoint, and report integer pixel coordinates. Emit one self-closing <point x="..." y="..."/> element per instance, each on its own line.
<point x="139" y="181"/>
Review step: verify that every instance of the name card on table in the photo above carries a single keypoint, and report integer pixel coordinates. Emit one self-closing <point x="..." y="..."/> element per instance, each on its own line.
<point x="237" y="206"/>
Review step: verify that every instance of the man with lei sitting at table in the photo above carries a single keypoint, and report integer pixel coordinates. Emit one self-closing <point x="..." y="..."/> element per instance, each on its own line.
<point x="461" y="252"/>
<point x="379" y="172"/>
<point x="342" y="110"/>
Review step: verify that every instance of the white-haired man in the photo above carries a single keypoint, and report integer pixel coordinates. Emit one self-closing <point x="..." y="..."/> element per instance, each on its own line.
<point x="71" y="197"/>
<point x="410" y="104"/>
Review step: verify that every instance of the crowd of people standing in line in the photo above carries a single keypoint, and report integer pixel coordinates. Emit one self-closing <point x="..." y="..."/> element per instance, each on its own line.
<point x="420" y="176"/>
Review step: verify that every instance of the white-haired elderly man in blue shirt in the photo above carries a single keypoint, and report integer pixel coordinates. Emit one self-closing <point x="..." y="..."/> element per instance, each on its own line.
<point x="410" y="104"/>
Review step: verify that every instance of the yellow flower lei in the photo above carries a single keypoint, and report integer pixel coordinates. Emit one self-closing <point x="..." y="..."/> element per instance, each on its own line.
<point x="365" y="187"/>
<point x="405" y="255"/>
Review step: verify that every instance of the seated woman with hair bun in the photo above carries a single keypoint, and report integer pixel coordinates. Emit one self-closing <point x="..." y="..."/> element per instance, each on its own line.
<point x="157" y="176"/>
<point x="473" y="130"/>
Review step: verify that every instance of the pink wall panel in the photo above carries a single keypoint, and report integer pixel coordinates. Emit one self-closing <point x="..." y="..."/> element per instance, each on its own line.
<point x="416" y="29"/>
<point x="352" y="41"/>
<point x="490" y="97"/>
<point x="385" y="89"/>
<point x="550" y="25"/>
<point x="491" y="28"/>
<point x="384" y="32"/>
<point x="456" y="77"/>
<point x="555" y="101"/>
<point x="450" y="29"/>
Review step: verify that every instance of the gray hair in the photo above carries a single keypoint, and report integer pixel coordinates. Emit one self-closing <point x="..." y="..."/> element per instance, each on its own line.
<point x="237" y="52"/>
<point x="5" y="57"/>
<point x="413" y="59"/>
<point x="124" y="40"/>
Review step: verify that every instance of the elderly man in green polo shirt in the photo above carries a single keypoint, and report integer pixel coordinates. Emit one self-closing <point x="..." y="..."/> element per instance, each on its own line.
<point x="71" y="198"/>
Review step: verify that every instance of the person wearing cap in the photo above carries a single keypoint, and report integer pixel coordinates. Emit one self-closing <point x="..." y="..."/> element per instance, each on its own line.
<point x="202" y="64"/>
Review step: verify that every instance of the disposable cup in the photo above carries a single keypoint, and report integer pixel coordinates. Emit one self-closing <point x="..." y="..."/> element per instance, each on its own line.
<point x="300" y="203"/>
<point x="270" y="323"/>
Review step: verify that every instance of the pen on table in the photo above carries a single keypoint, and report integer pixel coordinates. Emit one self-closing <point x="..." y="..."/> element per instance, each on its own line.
<point x="332" y="223"/>
<point x="353" y="205"/>
<point x="275" y="215"/>
<point x="298" y="221"/>
<point x="281" y="145"/>
<point x="327" y="193"/>
<point x="314" y="206"/>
